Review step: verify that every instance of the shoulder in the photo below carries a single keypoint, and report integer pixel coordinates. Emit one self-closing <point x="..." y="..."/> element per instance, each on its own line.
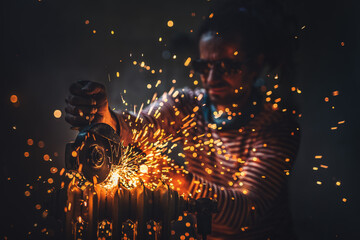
<point x="186" y="95"/>
<point x="271" y="117"/>
<point x="276" y="123"/>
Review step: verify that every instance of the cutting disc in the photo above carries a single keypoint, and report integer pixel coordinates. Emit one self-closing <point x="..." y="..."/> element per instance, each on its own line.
<point x="99" y="148"/>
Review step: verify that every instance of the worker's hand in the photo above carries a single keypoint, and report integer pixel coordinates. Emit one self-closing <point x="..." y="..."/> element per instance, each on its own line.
<point x="178" y="177"/>
<point x="181" y="181"/>
<point x="87" y="103"/>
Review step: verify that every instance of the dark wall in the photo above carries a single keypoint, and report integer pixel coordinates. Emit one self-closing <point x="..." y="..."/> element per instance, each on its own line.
<point x="46" y="45"/>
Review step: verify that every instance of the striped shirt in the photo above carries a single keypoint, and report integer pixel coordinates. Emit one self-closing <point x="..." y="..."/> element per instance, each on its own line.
<point x="244" y="168"/>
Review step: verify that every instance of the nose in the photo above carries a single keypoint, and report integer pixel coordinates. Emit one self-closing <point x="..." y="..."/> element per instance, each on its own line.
<point x="213" y="77"/>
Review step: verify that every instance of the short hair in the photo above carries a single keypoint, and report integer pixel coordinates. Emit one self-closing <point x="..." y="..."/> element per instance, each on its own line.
<point x="263" y="27"/>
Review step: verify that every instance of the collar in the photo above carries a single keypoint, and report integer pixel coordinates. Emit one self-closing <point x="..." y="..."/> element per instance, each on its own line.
<point x="235" y="122"/>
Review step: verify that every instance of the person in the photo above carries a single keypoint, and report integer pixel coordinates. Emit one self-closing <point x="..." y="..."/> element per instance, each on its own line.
<point x="242" y="147"/>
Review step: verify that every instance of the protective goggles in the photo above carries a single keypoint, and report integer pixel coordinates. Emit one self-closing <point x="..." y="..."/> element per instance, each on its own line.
<point x="223" y="66"/>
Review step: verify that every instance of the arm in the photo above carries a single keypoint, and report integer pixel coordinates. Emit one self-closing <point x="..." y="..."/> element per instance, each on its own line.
<point x="169" y="116"/>
<point x="262" y="182"/>
<point x="87" y="103"/>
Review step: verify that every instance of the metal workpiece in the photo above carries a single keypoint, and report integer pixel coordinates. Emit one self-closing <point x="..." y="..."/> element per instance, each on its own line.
<point x="88" y="207"/>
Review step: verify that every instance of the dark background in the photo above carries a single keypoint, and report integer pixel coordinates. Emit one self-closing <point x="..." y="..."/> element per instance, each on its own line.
<point x="46" y="45"/>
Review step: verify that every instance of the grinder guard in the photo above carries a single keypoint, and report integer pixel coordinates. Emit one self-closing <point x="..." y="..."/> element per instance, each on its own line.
<point x="96" y="148"/>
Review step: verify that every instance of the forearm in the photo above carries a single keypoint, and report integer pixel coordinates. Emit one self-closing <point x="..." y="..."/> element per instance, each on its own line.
<point x="112" y="120"/>
<point x="237" y="207"/>
<point x="262" y="180"/>
<point x="164" y="118"/>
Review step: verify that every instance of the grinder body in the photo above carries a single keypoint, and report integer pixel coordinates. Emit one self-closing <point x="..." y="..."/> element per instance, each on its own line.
<point x="96" y="148"/>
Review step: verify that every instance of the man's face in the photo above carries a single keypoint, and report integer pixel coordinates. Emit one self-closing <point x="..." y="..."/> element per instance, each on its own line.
<point x="225" y="87"/>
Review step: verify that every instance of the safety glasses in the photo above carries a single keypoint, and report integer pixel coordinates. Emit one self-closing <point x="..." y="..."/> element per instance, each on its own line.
<point x="223" y="66"/>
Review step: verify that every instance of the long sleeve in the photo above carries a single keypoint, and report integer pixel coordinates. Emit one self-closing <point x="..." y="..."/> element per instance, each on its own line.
<point x="170" y="115"/>
<point x="262" y="181"/>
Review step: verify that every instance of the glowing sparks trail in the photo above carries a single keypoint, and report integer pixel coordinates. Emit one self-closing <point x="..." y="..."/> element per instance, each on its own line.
<point x="147" y="161"/>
